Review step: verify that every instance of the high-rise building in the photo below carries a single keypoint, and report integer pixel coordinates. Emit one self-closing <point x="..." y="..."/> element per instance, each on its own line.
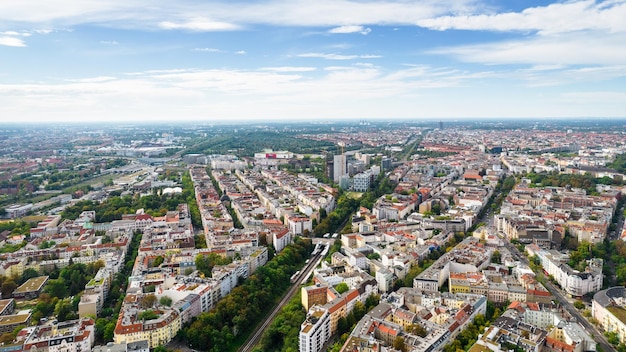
<point x="315" y="330"/>
<point x="386" y="163"/>
<point x="340" y="167"/>
<point x="362" y="181"/>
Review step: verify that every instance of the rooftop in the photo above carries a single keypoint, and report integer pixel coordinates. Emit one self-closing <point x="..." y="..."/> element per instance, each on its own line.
<point x="4" y="303"/>
<point x="32" y="285"/>
<point x="619" y="312"/>
<point x="14" y="319"/>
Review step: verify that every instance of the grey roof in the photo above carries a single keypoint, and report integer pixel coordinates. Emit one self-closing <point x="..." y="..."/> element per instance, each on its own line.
<point x="605" y="297"/>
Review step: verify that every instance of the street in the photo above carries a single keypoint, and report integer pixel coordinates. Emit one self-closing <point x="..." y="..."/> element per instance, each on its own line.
<point x="556" y="292"/>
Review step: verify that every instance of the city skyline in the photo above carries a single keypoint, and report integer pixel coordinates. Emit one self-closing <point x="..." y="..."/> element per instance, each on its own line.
<point x="328" y="60"/>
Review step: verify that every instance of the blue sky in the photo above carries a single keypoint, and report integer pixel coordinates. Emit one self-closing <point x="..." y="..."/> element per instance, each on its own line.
<point x="147" y="60"/>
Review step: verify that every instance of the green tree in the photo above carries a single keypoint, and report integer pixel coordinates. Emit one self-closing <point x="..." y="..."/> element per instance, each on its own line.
<point x="496" y="257"/>
<point x="399" y="344"/>
<point x="165" y="301"/>
<point x="342" y="287"/>
<point x="158" y="261"/>
<point x="148" y="301"/>
<point x="109" y="331"/>
<point x="8" y="287"/>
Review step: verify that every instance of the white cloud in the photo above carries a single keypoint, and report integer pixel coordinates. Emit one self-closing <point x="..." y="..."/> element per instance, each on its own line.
<point x="570" y="16"/>
<point x="224" y="14"/>
<point x="338" y="56"/>
<point x="93" y="79"/>
<point x="350" y="29"/>
<point x="201" y="25"/>
<point x="14" y="33"/>
<point x="289" y="69"/>
<point x="109" y="42"/>
<point x="241" y="52"/>
<point x="12" y="41"/>
<point x="602" y="97"/>
<point x="563" y="49"/>
<point x="208" y="50"/>
<point x="339" y="92"/>
<point x="141" y="95"/>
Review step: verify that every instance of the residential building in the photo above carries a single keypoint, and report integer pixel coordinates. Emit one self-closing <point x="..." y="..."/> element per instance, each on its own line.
<point x="340" y="167"/>
<point x="31" y="288"/>
<point x="608" y="308"/>
<point x="72" y="335"/>
<point x="315" y="330"/>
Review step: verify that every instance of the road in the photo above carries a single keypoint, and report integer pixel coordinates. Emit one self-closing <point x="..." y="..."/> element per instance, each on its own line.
<point x="556" y="292"/>
<point x="256" y="335"/>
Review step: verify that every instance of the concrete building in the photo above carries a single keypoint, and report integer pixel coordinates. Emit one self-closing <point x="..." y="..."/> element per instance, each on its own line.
<point x="73" y="335"/>
<point x="340" y="167"/>
<point x="315" y="330"/>
<point x="608" y="309"/>
<point x="575" y="283"/>
<point x="158" y="331"/>
<point x="7" y="306"/>
<point x="31" y="288"/>
<point x="18" y="210"/>
<point x="8" y="323"/>
<point x="361" y="182"/>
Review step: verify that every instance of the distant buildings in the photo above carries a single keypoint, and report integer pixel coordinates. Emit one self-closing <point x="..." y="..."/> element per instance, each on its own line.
<point x="18" y="210"/>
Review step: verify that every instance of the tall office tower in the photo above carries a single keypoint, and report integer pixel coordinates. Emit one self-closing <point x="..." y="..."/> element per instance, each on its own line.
<point x="340" y="167"/>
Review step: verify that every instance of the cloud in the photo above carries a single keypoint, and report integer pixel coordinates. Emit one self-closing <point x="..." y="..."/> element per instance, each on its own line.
<point x="338" y="56"/>
<point x="555" y="18"/>
<point x="208" y="50"/>
<point x="93" y="79"/>
<point x="14" y="33"/>
<point x="350" y="29"/>
<point x="12" y="41"/>
<point x="109" y="42"/>
<point x="601" y="97"/>
<point x="241" y="52"/>
<point x="226" y="15"/>
<point x="200" y="26"/>
<point x="289" y="69"/>
<point x="286" y="92"/>
<point x="563" y="49"/>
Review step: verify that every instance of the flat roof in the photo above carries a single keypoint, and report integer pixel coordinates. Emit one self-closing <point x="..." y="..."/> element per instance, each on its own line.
<point x="4" y="303"/>
<point x="619" y="312"/>
<point x="32" y="285"/>
<point x="14" y="319"/>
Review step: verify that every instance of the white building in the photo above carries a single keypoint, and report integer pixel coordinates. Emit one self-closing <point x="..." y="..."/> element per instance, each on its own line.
<point x="280" y="240"/>
<point x="340" y="167"/>
<point x="361" y="182"/>
<point x="608" y="309"/>
<point x="572" y="281"/>
<point x="18" y="210"/>
<point x="315" y="330"/>
<point x="297" y="225"/>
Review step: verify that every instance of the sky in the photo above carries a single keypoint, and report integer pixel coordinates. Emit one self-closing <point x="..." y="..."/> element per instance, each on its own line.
<point x="288" y="60"/>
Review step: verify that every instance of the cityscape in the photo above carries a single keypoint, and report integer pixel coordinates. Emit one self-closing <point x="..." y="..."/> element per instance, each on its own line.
<point x="357" y="235"/>
<point x="312" y="176"/>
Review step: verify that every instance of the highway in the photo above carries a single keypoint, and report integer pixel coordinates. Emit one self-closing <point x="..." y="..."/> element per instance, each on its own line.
<point x="556" y="292"/>
<point x="256" y="335"/>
